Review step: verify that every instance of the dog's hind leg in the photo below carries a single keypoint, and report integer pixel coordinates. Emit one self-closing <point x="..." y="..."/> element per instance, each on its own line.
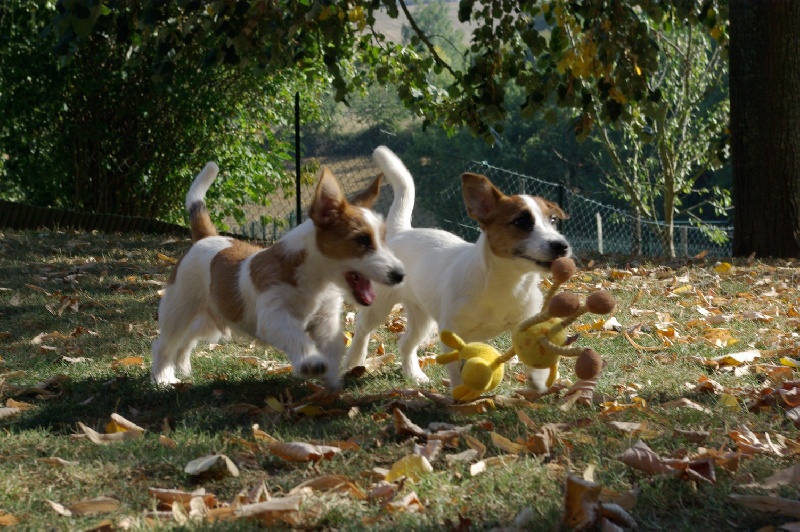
<point x="168" y="350"/>
<point x="367" y="320"/>
<point x="418" y="327"/>
<point x="203" y="327"/>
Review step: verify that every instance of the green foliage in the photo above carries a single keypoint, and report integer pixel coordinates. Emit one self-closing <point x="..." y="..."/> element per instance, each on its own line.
<point x="112" y="129"/>
<point x="664" y="155"/>
<point x="227" y="70"/>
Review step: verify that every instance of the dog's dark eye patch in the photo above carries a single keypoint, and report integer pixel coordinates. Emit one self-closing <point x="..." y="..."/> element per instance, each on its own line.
<point x="524" y="221"/>
<point x="364" y="241"/>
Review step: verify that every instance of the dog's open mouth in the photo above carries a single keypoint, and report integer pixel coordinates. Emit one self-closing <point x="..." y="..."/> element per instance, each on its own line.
<point x="541" y="263"/>
<point x="361" y="288"/>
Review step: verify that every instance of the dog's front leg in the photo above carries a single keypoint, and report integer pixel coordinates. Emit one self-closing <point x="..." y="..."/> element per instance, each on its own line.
<point x="326" y="330"/>
<point x="453" y="368"/>
<point x="279" y="328"/>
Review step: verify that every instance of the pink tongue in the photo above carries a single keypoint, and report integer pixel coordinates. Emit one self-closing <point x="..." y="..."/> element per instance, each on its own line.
<point x="361" y="287"/>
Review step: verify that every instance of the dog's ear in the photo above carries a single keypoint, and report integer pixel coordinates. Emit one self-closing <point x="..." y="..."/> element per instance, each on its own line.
<point x="551" y="209"/>
<point x="367" y="197"/>
<point x="329" y="201"/>
<point x="481" y="197"/>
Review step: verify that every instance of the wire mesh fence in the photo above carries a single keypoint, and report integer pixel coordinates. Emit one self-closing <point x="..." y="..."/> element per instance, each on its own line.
<point x="592" y="227"/>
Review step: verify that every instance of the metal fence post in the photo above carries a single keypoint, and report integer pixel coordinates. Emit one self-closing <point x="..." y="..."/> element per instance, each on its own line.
<point x="299" y="214"/>
<point x="599" y="232"/>
<point x="684" y="241"/>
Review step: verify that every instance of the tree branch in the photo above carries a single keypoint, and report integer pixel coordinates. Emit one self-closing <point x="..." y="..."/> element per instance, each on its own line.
<point x="424" y="38"/>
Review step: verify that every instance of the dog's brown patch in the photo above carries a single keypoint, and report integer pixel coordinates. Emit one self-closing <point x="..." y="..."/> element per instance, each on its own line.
<point x="349" y="236"/>
<point x="503" y="235"/>
<point x="275" y="265"/>
<point x="225" y="279"/>
<point x="550" y="209"/>
<point x="200" y="221"/>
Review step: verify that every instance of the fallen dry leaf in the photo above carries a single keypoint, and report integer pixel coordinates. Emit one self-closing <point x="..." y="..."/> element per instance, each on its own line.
<point x="766" y="503"/>
<point x="275" y="510"/>
<point x="331" y="483"/>
<point x="785" y="477"/>
<point x="127" y="361"/>
<point x="584" y="509"/>
<point x="120" y="424"/>
<point x="504" y="444"/>
<point x="694" y="436"/>
<point x="303" y="452"/>
<point x="86" y="507"/>
<point x="105" y="439"/>
<point x="55" y="461"/>
<point x="167" y="497"/>
<point x="581" y="393"/>
<point x="413" y="467"/>
<point x="685" y="403"/>
<point x="404" y="426"/>
<point x="409" y="503"/>
<point x="7" y="519"/>
<point x="641" y="457"/>
<point x="749" y="443"/>
<point x="213" y="464"/>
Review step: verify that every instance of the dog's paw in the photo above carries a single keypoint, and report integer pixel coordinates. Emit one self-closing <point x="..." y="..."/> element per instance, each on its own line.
<point x="417" y="376"/>
<point x="333" y="383"/>
<point x="312" y="366"/>
<point x="164" y="378"/>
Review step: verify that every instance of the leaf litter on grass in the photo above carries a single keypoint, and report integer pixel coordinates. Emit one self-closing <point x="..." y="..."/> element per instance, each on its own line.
<point x="728" y="328"/>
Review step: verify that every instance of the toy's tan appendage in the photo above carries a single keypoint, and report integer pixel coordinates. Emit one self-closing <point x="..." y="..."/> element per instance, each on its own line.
<point x="505" y="357"/>
<point x="560" y="350"/>
<point x="552" y="377"/>
<point x="533" y="320"/>
<point x="446" y="358"/>
<point x="464" y="393"/>
<point x="451" y="339"/>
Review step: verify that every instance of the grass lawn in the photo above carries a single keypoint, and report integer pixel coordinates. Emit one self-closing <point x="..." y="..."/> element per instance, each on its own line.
<point x="77" y="317"/>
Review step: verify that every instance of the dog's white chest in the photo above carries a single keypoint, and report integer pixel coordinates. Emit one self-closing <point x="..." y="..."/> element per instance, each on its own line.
<point x="488" y="319"/>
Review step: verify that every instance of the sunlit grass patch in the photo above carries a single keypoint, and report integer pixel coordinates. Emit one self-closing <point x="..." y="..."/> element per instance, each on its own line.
<point x="78" y="318"/>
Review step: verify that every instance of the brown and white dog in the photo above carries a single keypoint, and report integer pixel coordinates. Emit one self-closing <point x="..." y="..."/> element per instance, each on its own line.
<point x="476" y="290"/>
<point x="289" y="295"/>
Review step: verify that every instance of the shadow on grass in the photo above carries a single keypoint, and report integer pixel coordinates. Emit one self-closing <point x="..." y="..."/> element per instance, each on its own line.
<point x="209" y="406"/>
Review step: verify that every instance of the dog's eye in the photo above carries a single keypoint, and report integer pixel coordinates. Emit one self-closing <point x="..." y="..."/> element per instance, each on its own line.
<point x="523" y="222"/>
<point x="554" y="220"/>
<point x="364" y="241"/>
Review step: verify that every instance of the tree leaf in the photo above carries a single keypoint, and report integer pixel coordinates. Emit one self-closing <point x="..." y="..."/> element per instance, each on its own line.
<point x="641" y="457"/>
<point x="413" y="467"/>
<point x="98" y="505"/>
<point x="766" y="503"/>
<point x="105" y="439"/>
<point x="213" y="463"/>
<point x="303" y="452"/>
<point x="505" y="444"/>
<point x="336" y="483"/>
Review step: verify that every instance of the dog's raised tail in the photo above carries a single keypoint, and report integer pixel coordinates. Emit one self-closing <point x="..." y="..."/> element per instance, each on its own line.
<point x="398" y="176"/>
<point x="200" y="221"/>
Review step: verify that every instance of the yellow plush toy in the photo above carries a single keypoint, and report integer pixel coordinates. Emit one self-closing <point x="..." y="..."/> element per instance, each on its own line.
<point x="481" y="370"/>
<point x="539" y="342"/>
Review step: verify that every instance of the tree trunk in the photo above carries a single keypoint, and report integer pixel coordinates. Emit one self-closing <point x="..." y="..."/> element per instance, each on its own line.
<point x="765" y="127"/>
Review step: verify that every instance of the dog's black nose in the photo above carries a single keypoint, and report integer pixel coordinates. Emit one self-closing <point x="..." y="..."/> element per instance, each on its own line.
<point x="396" y="276"/>
<point x="559" y="248"/>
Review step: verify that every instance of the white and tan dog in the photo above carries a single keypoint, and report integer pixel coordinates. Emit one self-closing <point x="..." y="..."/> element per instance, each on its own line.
<point x="477" y="290"/>
<point x="289" y="295"/>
